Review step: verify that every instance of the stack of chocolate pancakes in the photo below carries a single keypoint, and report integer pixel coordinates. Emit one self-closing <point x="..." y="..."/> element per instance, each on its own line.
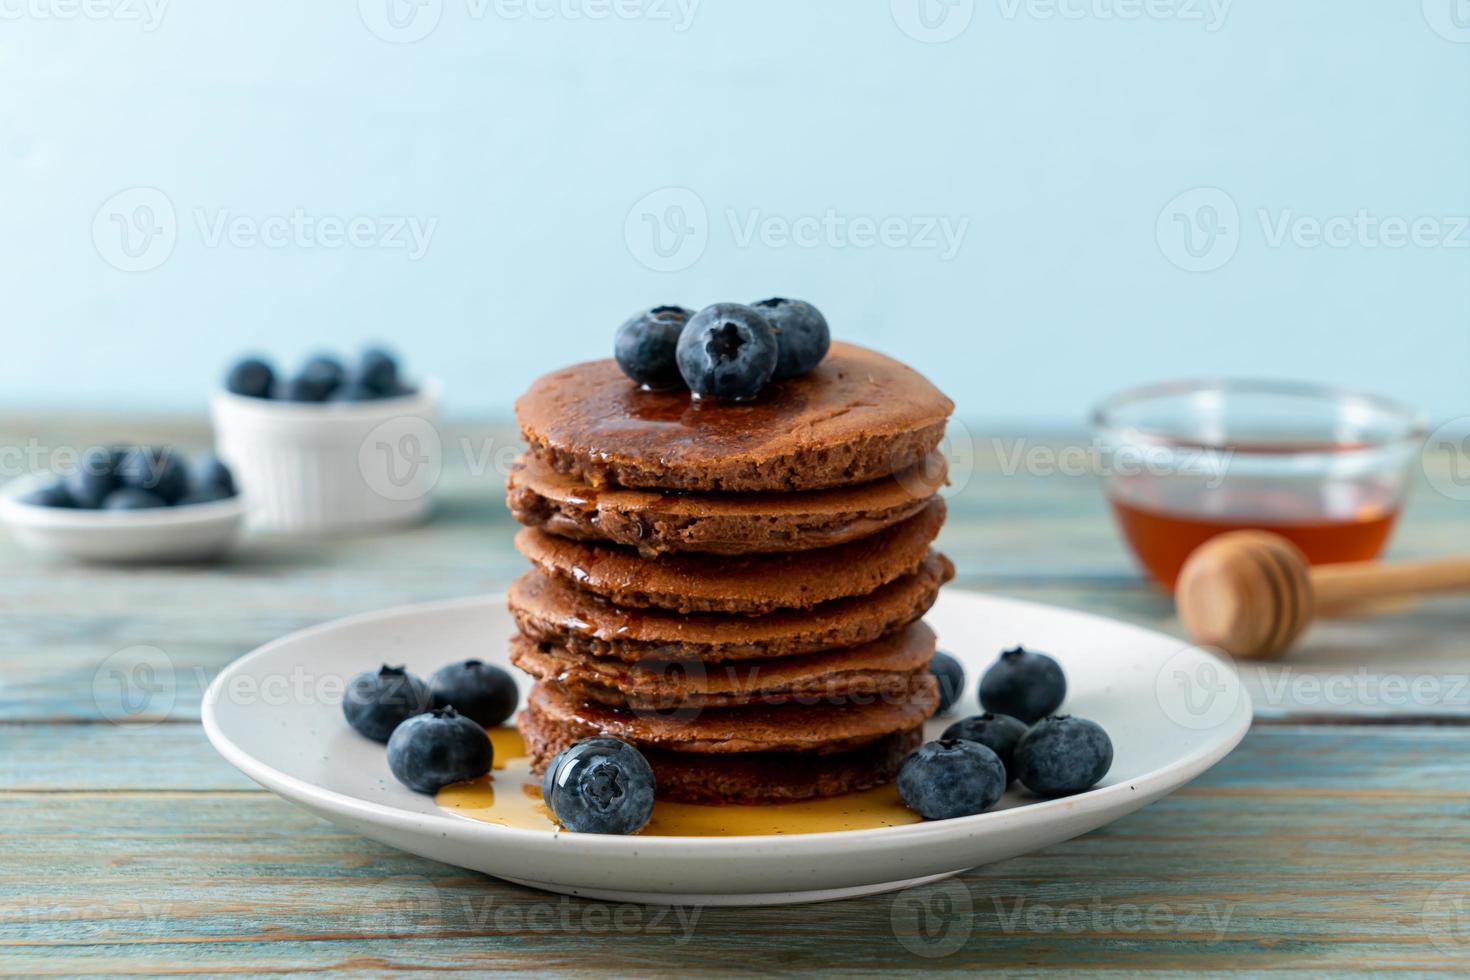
<point x="734" y="588"/>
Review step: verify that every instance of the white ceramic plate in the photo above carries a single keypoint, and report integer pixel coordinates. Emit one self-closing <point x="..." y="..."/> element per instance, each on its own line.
<point x="1172" y="711"/>
<point x="163" y="534"/>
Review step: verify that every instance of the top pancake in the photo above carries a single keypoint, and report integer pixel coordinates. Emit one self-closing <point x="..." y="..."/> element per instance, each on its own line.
<point x="857" y="416"/>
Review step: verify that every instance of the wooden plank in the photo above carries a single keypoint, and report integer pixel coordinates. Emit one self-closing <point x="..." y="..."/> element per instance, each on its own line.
<point x="1308" y="849"/>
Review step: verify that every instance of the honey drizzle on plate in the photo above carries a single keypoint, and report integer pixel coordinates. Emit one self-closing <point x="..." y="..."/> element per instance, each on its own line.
<point x="511" y="797"/>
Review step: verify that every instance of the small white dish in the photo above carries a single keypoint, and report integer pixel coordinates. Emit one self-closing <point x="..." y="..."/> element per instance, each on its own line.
<point x="1172" y="712"/>
<point x="192" y="532"/>
<point x="332" y="466"/>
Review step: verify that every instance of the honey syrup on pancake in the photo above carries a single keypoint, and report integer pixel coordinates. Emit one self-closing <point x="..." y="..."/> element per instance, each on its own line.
<point x="511" y="797"/>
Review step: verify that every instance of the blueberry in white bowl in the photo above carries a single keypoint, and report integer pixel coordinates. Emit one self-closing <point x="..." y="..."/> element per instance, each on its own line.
<point x="94" y="477"/>
<point x="951" y="778"/>
<point x="1063" y="755"/>
<point x="727" y="351"/>
<point x="430" y="751"/>
<point x="209" y="480"/>
<point x="646" y="346"/>
<point x="378" y="701"/>
<point x="250" y="377"/>
<point x="802" y="335"/>
<point x="480" y="691"/>
<point x="159" y="470"/>
<point x="1023" y="684"/>
<point x="600" y="786"/>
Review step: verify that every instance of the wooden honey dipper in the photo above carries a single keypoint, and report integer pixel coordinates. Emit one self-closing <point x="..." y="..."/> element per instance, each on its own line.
<point x="1252" y="593"/>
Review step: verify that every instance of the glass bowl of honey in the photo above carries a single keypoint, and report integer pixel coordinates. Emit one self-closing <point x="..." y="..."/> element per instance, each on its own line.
<point x="1184" y="461"/>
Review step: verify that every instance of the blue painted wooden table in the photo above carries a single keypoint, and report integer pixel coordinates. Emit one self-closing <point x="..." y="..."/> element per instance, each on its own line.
<point x="1333" y="839"/>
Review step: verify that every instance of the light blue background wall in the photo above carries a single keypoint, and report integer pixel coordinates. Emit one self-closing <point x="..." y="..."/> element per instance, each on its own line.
<point x="1054" y="137"/>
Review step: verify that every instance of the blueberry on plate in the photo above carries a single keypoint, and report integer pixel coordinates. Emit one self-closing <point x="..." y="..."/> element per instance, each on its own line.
<point x="377" y="702"/>
<point x="429" y="751"/>
<point x="52" y="493"/>
<point x="727" y="351"/>
<point x="132" y="498"/>
<point x="802" y="337"/>
<point x="1062" y="755"/>
<point x="209" y="480"/>
<point x="601" y="786"/>
<point x="377" y="371"/>
<point x="951" y="778"/>
<point x="1024" y="685"/>
<point x="998" y="733"/>
<point x="646" y="346"/>
<point x="157" y="469"/>
<point x="951" y="676"/>
<point x="93" y="479"/>
<point x="251" y="377"/>
<point x="478" y="690"/>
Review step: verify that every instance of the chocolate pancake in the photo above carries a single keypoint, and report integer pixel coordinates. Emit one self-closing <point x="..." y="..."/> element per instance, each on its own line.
<point x="882" y="668"/>
<point x="855" y="417"/>
<point x="747" y="777"/>
<point x="550" y="610"/>
<point x="750" y="585"/>
<point x="717" y="523"/>
<point x="824" y="727"/>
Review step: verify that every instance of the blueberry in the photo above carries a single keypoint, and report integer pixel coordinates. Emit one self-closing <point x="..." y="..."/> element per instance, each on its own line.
<point x="1063" y="755"/>
<point x="728" y="351"/>
<point x="325" y="365"/>
<point x="375" y="703"/>
<point x="209" y="480"/>
<point x="601" y="786"/>
<point x="998" y="733"/>
<point x="428" y="752"/>
<point x="802" y="337"/>
<point x="52" y="493"/>
<point x="132" y="498"/>
<point x="160" y="470"/>
<point x="951" y="676"/>
<point x="646" y="344"/>
<point x="315" y="383"/>
<point x="377" y="371"/>
<point x="1024" y="685"/>
<point x="951" y="778"/>
<point x="93" y="479"/>
<point x="251" y="377"/>
<point x="479" y="690"/>
<point x="354" y="390"/>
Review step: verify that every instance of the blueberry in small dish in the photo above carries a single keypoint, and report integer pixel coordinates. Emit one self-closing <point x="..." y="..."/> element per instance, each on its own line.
<point x="998" y="733"/>
<point x="132" y="498"/>
<point x="600" y="786"/>
<point x="377" y="702"/>
<point x="52" y="493"/>
<point x="727" y="351"/>
<point x="94" y="478"/>
<point x="209" y="480"/>
<point x="951" y="778"/>
<point x="430" y="751"/>
<point x="480" y="691"/>
<point x="250" y="377"/>
<point x="1023" y="684"/>
<point x="646" y="346"/>
<point x="1063" y="755"/>
<point x="157" y="469"/>
<point x="377" y="372"/>
<point x="951" y="676"/>
<point x="802" y="335"/>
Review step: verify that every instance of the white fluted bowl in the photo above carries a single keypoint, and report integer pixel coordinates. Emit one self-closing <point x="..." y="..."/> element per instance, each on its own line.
<point x="334" y="466"/>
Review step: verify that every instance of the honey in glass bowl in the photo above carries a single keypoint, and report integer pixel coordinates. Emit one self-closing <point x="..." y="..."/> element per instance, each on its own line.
<point x="1186" y="461"/>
